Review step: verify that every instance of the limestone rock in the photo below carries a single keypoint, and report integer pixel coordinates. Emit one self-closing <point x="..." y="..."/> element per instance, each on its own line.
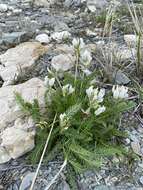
<point x="29" y="90"/>
<point x="17" y="130"/>
<point x="17" y="141"/>
<point x="20" y="59"/>
<point x="62" y="62"/>
<point x="43" y="38"/>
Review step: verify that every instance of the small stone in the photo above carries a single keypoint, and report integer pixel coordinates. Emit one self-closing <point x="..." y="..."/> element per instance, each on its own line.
<point x="93" y="5"/>
<point x="69" y="3"/>
<point x="17" y="11"/>
<point x="61" y="26"/>
<point x="134" y="138"/>
<point x="63" y="186"/>
<point x="141" y="180"/>
<point x="3" y="7"/>
<point x="27" y="180"/>
<point x="62" y="62"/>
<point x="59" y="36"/>
<point x="43" y="38"/>
<point x="15" y="187"/>
<point x="127" y="141"/>
<point x="121" y="78"/>
<point x="136" y="148"/>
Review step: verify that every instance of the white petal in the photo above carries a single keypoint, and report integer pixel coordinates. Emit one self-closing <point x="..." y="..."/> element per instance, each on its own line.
<point x="100" y="110"/>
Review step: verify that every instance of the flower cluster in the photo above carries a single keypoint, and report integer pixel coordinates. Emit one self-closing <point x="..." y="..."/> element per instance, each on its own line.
<point x="49" y="81"/>
<point x="85" y="57"/>
<point x="96" y="97"/>
<point x="59" y="36"/>
<point x="67" y="89"/>
<point x="64" y="121"/>
<point x="120" y="92"/>
<point x="78" y="43"/>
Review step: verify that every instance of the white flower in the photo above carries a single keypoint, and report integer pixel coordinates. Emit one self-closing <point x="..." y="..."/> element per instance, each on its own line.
<point x="62" y="117"/>
<point x="64" y="121"/>
<point x="49" y="82"/>
<point x="78" y="43"/>
<point x="95" y="95"/>
<point x="101" y="95"/>
<point x="67" y="89"/>
<point x="90" y="91"/>
<point x="100" y="110"/>
<point x="87" y="72"/>
<point x="86" y="57"/>
<point x="120" y="92"/>
<point x="59" y="36"/>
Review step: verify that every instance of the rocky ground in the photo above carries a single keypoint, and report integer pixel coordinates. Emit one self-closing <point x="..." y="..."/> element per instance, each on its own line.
<point x="34" y="35"/>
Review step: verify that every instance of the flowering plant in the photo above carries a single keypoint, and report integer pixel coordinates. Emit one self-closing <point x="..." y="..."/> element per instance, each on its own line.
<point x="86" y="128"/>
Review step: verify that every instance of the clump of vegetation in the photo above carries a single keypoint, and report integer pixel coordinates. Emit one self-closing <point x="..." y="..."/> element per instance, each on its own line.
<point x="137" y="18"/>
<point x="86" y="117"/>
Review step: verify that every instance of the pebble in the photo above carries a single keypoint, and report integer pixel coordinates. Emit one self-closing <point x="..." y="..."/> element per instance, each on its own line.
<point x="3" y="7"/>
<point x="43" y="38"/>
<point x="141" y="180"/>
<point x="26" y="182"/>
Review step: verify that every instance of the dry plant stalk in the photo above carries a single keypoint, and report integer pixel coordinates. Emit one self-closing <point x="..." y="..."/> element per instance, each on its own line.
<point x="43" y="153"/>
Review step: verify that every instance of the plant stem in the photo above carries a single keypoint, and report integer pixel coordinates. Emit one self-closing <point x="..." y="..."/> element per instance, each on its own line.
<point x="76" y="65"/>
<point x="42" y="156"/>
<point x="138" y="54"/>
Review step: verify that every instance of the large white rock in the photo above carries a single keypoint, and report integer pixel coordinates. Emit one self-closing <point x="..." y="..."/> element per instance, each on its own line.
<point x="9" y="110"/>
<point x="63" y="62"/>
<point x="20" y="59"/>
<point x="17" y="130"/>
<point x="17" y="140"/>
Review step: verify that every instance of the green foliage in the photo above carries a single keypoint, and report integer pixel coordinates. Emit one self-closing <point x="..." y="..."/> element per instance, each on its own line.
<point x="87" y="138"/>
